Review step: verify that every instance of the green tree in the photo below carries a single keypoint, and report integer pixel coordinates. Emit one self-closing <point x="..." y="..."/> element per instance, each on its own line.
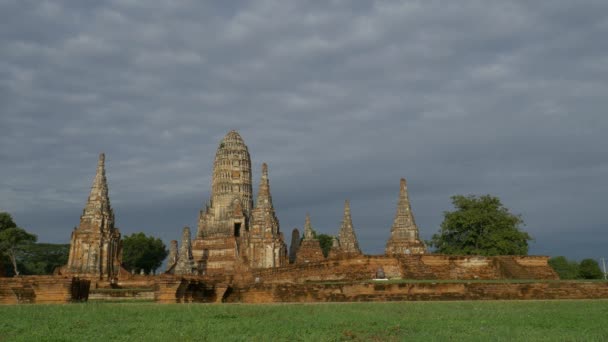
<point x="566" y="269"/>
<point x="590" y="269"/>
<point x="480" y="226"/>
<point x="141" y="252"/>
<point x="6" y="221"/>
<point x="12" y="243"/>
<point x="43" y="258"/>
<point x="326" y="242"/>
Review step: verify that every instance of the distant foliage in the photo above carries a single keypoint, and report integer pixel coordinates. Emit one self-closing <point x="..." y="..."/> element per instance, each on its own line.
<point x="325" y="241"/>
<point x="570" y="269"/>
<point x="43" y="258"/>
<point x="480" y="226"/>
<point x="13" y="242"/>
<point x="141" y="252"/>
<point x="566" y="269"/>
<point x="6" y="221"/>
<point x="590" y="269"/>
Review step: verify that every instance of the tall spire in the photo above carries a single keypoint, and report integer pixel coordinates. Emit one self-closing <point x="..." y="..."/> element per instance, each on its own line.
<point x="185" y="262"/>
<point x="97" y="209"/>
<point x="405" y="237"/>
<point x="308" y="232"/>
<point x="264" y="199"/>
<point x="347" y="236"/>
<point x="404" y="219"/>
<point x="95" y="247"/>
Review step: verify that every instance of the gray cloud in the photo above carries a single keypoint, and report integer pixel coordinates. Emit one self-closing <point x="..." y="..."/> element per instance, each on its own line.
<point x="341" y="98"/>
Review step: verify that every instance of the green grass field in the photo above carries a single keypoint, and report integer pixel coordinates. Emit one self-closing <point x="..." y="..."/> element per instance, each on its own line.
<point x="399" y="321"/>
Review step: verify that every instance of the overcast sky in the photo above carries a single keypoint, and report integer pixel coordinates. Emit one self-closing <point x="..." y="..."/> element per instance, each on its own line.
<point x="340" y="98"/>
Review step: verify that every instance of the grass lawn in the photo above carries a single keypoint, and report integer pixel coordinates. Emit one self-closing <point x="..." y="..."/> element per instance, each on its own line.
<point x="576" y="320"/>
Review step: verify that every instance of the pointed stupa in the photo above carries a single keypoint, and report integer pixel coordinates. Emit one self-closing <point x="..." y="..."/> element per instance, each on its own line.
<point x="308" y="231"/>
<point x="346" y="235"/>
<point x="404" y="232"/>
<point x="95" y="246"/>
<point x="264" y="199"/>
<point x="98" y="213"/>
<point x="185" y="262"/>
<point x="266" y="245"/>
<point x="264" y="221"/>
<point x="310" y="248"/>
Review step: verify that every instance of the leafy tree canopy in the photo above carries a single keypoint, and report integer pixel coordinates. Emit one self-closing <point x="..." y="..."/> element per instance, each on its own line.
<point x="12" y="243"/>
<point x="6" y="221"/>
<point x="326" y="242"/>
<point x="480" y="226"/>
<point x="590" y="269"/>
<point x="43" y="258"/>
<point x="566" y="269"/>
<point x="143" y="252"/>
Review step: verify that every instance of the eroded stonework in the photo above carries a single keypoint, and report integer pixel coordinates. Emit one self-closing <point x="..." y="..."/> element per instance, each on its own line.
<point x="95" y="246"/>
<point x="231" y="233"/>
<point x="185" y="262"/>
<point x="405" y="237"/>
<point x="347" y="239"/>
<point x="310" y="248"/>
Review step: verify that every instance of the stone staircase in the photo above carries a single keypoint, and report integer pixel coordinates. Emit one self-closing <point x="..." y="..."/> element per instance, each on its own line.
<point x="413" y="268"/>
<point x="510" y="269"/>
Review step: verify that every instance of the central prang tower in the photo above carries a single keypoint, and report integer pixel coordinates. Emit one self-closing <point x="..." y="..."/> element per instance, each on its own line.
<point x="224" y="238"/>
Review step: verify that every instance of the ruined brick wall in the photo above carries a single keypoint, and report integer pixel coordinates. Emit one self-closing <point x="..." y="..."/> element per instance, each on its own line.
<point x="275" y="293"/>
<point x="427" y="266"/>
<point x="42" y="290"/>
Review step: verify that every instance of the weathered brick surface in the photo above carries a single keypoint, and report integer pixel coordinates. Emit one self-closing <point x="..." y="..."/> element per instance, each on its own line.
<point x="404" y="239"/>
<point x="310" y="248"/>
<point x="42" y="290"/>
<point x="232" y="233"/>
<point x="95" y="246"/>
<point x="277" y="293"/>
<point x="347" y="239"/>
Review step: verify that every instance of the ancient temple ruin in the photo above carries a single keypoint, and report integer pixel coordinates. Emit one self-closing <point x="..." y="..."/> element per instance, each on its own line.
<point x="95" y="246"/>
<point x="347" y="239"/>
<point x="310" y="248"/>
<point x="185" y="262"/>
<point x="405" y="237"/>
<point x="231" y="232"/>
<point x="239" y="255"/>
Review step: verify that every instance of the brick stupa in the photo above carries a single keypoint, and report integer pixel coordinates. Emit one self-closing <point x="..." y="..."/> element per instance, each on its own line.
<point x="95" y="246"/>
<point x="404" y="238"/>
<point x="347" y="238"/>
<point x="310" y="248"/>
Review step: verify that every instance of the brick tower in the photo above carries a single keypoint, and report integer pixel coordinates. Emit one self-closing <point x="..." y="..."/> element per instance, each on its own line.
<point x="404" y="238"/>
<point x="95" y="246"/>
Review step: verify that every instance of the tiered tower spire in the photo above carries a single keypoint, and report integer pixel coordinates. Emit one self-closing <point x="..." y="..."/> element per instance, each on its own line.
<point x="185" y="262"/>
<point x="346" y="235"/>
<point x="95" y="247"/>
<point x="309" y="233"/>
<point x="266" y="245"/>
<point x="404" y="232"/>
<point x="310" y="248"/>
<point x="97" y="212"/>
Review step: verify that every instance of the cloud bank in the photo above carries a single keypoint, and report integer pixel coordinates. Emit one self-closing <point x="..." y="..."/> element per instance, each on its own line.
<point x="340" y="98"/>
